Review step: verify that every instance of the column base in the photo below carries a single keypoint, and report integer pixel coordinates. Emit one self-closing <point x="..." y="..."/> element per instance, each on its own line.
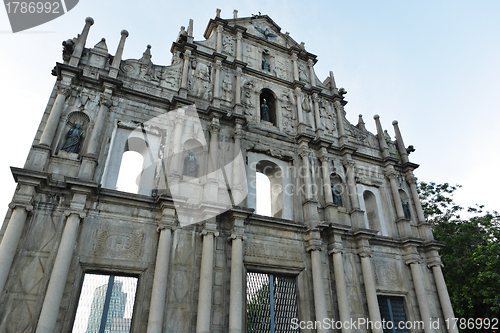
<point x="311" y="216"/>
<point x="88" y="167"/>
<point x="425" y="231"/>
<point x="357" y="219"/>
<point x="404" y="228"/>
<point x="183" y="92"/>
<point x="238" y="109"/>
<point x="216" y="102"/>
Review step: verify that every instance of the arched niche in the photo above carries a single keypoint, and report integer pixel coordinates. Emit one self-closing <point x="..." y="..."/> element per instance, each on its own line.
<point x="74" y="118"/>
<point x="268" y="97"/>
<point x="338" y="189"/>
<point x="199" y="153"/>
<point x="371" y="210"/>
<point x="406" y="203"/>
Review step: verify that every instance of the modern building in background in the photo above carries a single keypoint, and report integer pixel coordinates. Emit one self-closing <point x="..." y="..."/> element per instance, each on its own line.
<point x="115" y="310"/>
<point x="345" y="239"/>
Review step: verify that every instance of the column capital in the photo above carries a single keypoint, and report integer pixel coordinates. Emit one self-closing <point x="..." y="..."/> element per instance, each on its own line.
<point x="390" y="172"/>
<point x="349" y="163"/>
<point x="167" y="226"/>
<point x="14" y="205"/>
<point x="239" y="35"/>
<point x="179" y="118"/>
<point x="205" y="232"/>
<point x="336" y="250"/>
<point x="315" y="97"/>
<point x="435" y="263"/>
<point x="63" y="90"/>
<point x="210" y="228"/>
<point x="220" y="28"/>
<point x="106" y="101"/>
<point x="187" y="54"/>
<point x="310" y="62"/>
<point x="80" y="213"/>
<point x="214" y="128"/>
<point x="218" y="64"/>
<point x="294" y="56"/>
<point x="304" y="152"/>
<point x="413" y="261"/>
<point x="239" y="71"/>
<point x="236" y="235"/>
<point x="410" y="178"/>
<point x="297" y="91"/>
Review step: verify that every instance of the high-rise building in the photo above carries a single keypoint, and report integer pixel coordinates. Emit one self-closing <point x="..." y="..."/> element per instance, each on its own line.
<point x="344" y="241"/>
<point x="116" y="308"/>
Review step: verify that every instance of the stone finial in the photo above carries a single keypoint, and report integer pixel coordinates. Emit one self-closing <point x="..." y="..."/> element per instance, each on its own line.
<point x="146" y="56"/>
<point x="89" y="20"/>
<point x="235" y="14"/>
<point x="113" y="71"/>
<point x="217" y="13"/>
<point x="361" y="123"/>
<point x="80" y="43"/>
<point x="399" y="143"/>
<point x="190" y="28"/>
<point x="302" y="45"/>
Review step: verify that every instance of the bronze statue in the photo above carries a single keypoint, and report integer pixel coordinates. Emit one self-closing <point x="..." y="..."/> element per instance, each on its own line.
<point x="406" y="209"/>
<point x="73" y="140"/>
<point x="337" y="197"/>
<point x="264" y="111"/>
<point x="266" y="65"/>
<point x="190" y="165"/>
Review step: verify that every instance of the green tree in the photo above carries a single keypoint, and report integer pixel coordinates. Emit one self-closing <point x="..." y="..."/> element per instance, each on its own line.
<point x="471" y="256"/>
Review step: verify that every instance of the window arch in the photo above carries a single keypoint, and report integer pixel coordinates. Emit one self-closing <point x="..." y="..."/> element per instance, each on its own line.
<point x="268" y="106"/>
<point x="274" y="174"/>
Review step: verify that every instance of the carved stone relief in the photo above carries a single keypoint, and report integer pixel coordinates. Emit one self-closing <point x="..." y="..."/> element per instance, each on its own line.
<point x="387" y="274"/>
<point x="227" y="88"/>
<point x="228" y="45"/>
<point x="200" y="84"/>
<point x="288" y="112"/>
<point x="120" y="243"/>
<point x="273" y="251"/>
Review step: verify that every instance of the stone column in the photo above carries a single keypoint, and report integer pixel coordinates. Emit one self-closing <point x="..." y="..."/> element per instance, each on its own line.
<point x="115" y="66"/>
<point x="300" y="116"/>
<point x="341" y="288"/>
<point x="50" y="128"/>
<point x="412" y="180"/>
<point x="327" y="185"/>
<point x="444" y="297"/>
<point x="315" y="247"/>
<point x="349" y="165"/>
<point x="423" y="305"/>
<point x="236" y="300"/>
<point x="295" y="67"/>
<point x="185" y="69"/>
<point x="206" y="272"/>
<point x="57" y="282"/>
<point x="237" y="97"/>
<point x="238" y="169"/>
<point x="381" y="139"/>
<point x="317" y="116"/>
<point x="160" y="281"/>
<point x="312" y="79"/>
<point x="80" y="44"/>
<point x="371" y="292"/>
<point x="304" y="153"/>
<point x="175" y="168"/>
<point x="239" y="53"/>
<point x="218" y="67"/>
<point x="218" y="47"/>
<point x="391" y="174"/>
<point x="11" y="238"/>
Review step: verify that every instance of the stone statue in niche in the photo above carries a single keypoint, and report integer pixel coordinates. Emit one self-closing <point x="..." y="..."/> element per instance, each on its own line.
<point x="337" y="197"/>
<point x="227" y="88"/>
<point x="73" y="140"/>
<point x="406" y="209"/>
<point x="266" y="65"/>
<point x="264" y="111"/>
<point x="190" y="165"/>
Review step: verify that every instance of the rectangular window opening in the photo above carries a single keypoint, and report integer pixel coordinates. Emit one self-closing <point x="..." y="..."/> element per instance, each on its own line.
<point x="271" y="303"/>
<point x="392" y="309"/>
<point x="106" y="304"/>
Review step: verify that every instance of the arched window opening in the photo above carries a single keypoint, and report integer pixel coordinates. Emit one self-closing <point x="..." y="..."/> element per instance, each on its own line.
<point x="268" y="106"/>
<point x="130" y="172"/>
<point x="372" y="211"/>
<point x="273" y="172"/>
<point x="263" y="190"/>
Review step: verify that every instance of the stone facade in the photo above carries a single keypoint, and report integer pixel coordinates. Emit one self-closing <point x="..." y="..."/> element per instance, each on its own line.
<point x="190" y="238"/>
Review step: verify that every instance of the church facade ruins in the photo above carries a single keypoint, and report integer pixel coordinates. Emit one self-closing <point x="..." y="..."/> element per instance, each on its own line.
<point x="345" y="238"/>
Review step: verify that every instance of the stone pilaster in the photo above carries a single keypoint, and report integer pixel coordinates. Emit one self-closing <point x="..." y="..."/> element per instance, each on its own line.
<point x="218" y="68"/>
<point x="185" y="72"/>
<point x="295" y="67"/>
<point x="236" y="300"/>
<point x="339" y="110"/>
<point x="317" y="116"/>
<point x="423" y="304"/>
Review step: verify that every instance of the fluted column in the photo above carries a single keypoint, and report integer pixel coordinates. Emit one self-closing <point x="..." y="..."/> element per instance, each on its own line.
<point x="218" y="67"/>
<point x="239" y="55"/>
<point x="206" y="272"/>
<point x="218" y="47"/>
<point x="371" y="292"/>
<point x="412" y="180"/>
<point x="317" y="116"/>
<point x="315" y="247"/>
<point x="304" y="154"/>
<point x="349" y="165"/>
<point x="115" y="66"/>
<point x="391" y="174"/>
<point x="327" y="185"/>
<point x="11" y="238"/>
<point x="185" y="69"/>
<point x="105" y="104"/>
<point x="295" y="67"/>
<point x="50" y="128"/>
<point x="236" y="300"/>
<point x="57" y="282"/>
<point x="444" y="297"/>
<point x="423" y="304"/>
<point x="237" y="97"/>
<point x="238" y="169"/>
<point x="300" y="116"/>
<point x="341" y="289"/>
<point x="160" y="281"/>
<point x="80" y="44"/>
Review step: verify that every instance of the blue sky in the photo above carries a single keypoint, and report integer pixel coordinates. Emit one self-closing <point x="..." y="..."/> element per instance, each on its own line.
<point x="433" y="66"/>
